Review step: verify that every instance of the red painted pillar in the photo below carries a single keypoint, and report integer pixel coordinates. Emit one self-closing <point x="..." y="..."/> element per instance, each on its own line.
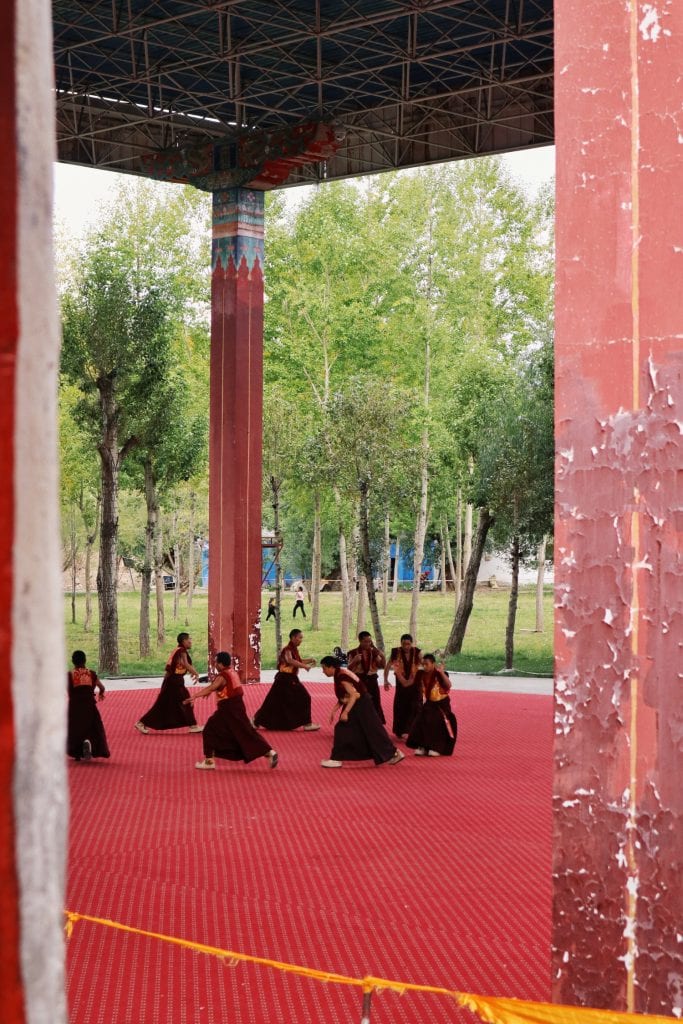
<point x="235" y="427"/>
<point x="10" y="980"/>
<point x="618" y="847"/>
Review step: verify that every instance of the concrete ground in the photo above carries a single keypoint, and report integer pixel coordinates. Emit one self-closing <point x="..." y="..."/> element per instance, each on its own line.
<point x="466" y="681"/>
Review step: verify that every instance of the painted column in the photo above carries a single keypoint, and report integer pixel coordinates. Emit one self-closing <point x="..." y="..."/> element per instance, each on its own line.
<point x="238" y="170"/>
<point x="618" y="846"/>
<point x="235" y="427"/>
<point x="32" y="714"/>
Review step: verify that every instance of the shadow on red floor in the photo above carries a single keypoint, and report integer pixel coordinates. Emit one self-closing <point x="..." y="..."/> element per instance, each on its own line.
<point x="435" y="871"/>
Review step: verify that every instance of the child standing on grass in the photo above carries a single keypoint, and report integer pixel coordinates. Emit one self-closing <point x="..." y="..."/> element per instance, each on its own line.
<point x="85" y="736"/>
<point x="229" y="734"/>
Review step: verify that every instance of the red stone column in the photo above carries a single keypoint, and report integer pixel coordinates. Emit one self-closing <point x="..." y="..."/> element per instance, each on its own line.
<point x="235" y="427"/>
<point x="618" y="847"/>
<point x="10" y="979"/>
<point x="33" y="818"/>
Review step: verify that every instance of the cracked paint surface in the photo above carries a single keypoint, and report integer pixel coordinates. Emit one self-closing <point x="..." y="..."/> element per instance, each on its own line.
<point x="618" y="843"/>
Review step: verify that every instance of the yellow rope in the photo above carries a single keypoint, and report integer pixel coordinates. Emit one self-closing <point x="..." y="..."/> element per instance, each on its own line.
<point x="492" y="1010"/>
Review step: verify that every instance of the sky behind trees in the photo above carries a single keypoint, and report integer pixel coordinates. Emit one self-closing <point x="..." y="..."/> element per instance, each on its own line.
<point x="79" y="191"/>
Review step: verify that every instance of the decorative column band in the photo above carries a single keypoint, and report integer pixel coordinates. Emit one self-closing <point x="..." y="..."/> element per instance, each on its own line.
<point x="237" y="229"/>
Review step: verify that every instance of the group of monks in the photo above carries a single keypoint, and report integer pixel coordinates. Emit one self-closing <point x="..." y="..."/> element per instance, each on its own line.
<point x="422" y="714"/>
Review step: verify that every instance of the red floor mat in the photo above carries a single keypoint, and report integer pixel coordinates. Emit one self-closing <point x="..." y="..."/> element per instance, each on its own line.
<point x="435" y="871"/>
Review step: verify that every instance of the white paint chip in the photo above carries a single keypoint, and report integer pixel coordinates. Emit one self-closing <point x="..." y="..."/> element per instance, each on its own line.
<point x="649" y="27"/>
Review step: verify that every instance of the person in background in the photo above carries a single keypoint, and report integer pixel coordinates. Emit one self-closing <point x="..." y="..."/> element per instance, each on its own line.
<point x="229" y="734"/>
<point x="170" y="710"/>
<point x="358" y="735"/>
<point x="288" y="703"/>
<point x="435" y="729"/>
<point x="271" y="608"/>
<point x="366" y="660"/>
<point x="405" y="662"/>
<point x="85" y="737"/>
<point x="300" y="595"/>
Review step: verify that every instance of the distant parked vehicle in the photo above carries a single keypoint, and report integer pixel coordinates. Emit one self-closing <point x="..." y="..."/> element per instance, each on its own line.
<point x="169" y="582"/>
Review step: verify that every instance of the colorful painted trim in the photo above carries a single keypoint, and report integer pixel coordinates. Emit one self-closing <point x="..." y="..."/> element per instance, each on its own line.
<point x="237" y="228"/>
<point x="262" y="160"/>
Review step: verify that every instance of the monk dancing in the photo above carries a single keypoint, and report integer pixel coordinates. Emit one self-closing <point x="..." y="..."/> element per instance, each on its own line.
<point x="85" y="736"/>
<point x="358" y="735"/>
<point x="366" y="660"/>
<point x="288" y="703"/>
<point x="435" y="729"/>
<point x="170" y="710"/>
<point x="405" y="661"/>
<point x="229" y="734"/>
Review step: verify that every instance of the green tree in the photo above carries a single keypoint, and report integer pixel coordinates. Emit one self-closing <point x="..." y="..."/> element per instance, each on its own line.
<point x="132" y="288"/>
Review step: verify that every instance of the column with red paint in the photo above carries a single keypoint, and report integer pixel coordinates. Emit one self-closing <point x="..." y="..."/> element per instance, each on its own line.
<point x="10" y="973"/>
<point x="235" y="427"/>
<point x="618" y="898"/>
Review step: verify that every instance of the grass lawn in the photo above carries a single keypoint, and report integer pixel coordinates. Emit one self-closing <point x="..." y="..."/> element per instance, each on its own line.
<point x="483" y="649"/>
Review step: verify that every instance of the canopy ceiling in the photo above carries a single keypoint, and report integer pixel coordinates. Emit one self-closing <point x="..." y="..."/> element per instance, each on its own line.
<point x="408" y="81"/>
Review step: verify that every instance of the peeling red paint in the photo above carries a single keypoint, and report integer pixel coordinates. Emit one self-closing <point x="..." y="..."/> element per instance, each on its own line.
<point x="618" y="898"/>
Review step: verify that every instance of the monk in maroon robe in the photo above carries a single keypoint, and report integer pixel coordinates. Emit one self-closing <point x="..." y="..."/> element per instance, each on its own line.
<point x="366" y="660"/>
<point x="435" y="729"/>
<point x="288" y="703"/>
<point x="85" y="736"/>
<point x="229" y="734"/>
<point x="358" y="735"/>
<point x="405" y="662"/>
<point x="170" y="710"/>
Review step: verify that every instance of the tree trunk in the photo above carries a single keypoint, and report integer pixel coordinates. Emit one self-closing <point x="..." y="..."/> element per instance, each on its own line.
<point x="90" y="539"/>
<point x="176" y="564"/>
<point x="397" y="558"/>
<point x="275" y="494"/>
<point x="420" y="534"/>
<point x="354" y="594"/>
<point x="540" y="573"/>
<point x="458" y="553"/>
<point x="467" y="539"/>
<point x="106" y="573"/>
<point x="190" y="555"/>
<point x="454" y="645"/>
<point x="421" y="522"/>
<point x="422" y="515"/>
<point x="386" y="565"/>
<point x="159" y="581"/>
<point x="73" y="540"/>
<point x="347" y="608"/>
<point x="366" y="564"/>
<point x="512" y="606"/>
<point x="146" y="583"/>
<point x="362" y="592"/>
<point x="443" y="561"/>
<point x="449" y="552"/>
<point x="316" y="567"/>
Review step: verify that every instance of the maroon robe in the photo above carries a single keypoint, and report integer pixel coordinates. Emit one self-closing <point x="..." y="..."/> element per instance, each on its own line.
<point x="169" y="710"/>
<point x="228" y="733"/>
<point x="368" y="672"/>
<point x="407" y="699"/>
<point x="287" y="704"/>
<point x="362" y="737"/>
<point x="84" y="721"/>
<point x="436" y="727"/>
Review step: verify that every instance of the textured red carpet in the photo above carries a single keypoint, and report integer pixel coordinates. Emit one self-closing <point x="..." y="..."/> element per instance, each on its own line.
<point x="435" y="871"/>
